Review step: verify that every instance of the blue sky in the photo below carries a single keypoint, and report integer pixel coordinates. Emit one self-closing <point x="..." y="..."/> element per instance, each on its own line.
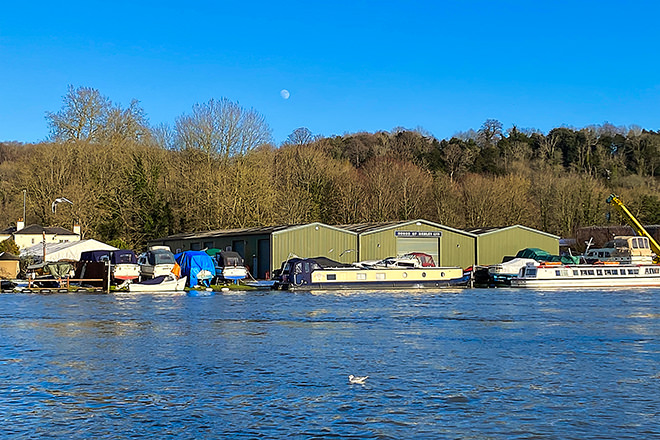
<point x="350" y="66"/>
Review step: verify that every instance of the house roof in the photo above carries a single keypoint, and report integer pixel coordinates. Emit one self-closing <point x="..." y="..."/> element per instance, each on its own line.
<point x="6" y="256"/>
<point x="38" y="229"/>
<point x="9" y="231"/>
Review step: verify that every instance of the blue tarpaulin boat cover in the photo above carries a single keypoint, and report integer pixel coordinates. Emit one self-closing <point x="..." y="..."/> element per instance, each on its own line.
<point x="194" y="262"/>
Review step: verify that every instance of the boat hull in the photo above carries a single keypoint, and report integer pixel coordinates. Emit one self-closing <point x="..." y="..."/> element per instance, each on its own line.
<point x="385" y="279"/>
<point x="169" y="285"/>
<point x="581" y="276"/>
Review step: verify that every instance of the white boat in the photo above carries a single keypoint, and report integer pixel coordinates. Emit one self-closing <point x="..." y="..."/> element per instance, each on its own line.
<point x="623" y="249"/>
<point x="229" y="266"/>
<point x="166" y="283"/>
<point x="155" y="262"/>
<point x="410" y="260"/>
<point x="503" y="272"/>
<point x="124" y="265"/>
<point x="606" y="274"/>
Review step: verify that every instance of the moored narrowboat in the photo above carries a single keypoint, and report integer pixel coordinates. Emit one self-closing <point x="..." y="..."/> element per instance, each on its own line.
<point x="321" y="273"/>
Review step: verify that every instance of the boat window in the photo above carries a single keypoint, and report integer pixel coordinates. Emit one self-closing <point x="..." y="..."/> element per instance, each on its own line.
<point x="558" y="273"/>
<point x="633" y="271"/>
<point x="599" y="272"/>
<point x="331" y="277"/>
<point x="361" y="276"/>
<point x="615" y="271"/>
<point x="306" y="267"/>
<point x="576" y="273"/>
<point x="380" y="276"/>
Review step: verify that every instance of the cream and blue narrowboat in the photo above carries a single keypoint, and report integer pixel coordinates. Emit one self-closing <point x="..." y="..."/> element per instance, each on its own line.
<point x="324" y="274"/>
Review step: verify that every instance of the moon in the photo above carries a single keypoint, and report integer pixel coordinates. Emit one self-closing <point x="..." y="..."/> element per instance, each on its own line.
<point x="285" y="94"/>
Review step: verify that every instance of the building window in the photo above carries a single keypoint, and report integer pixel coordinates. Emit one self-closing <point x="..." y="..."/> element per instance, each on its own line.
<point x="195" y="246"/>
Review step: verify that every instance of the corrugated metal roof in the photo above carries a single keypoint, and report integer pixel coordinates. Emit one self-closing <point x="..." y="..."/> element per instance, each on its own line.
<point x="360" y="228"/>
<point x="486" y="230"/>
<point x="225" y="232"/>
<point x="489" y="230"/>
<point x="363" y="228"/>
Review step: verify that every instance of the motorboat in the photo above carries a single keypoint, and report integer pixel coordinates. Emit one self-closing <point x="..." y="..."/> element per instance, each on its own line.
<point x="155" y="262"/>
<point x="321" y="273"/>
<point x="409" y="260"/>
<point x="229" y="266"/>
<point x="501" y="274"/>
<point x="93" y="266"/>
<point x="124" y="265"/>
<point x="554" y="275"/>
<point x="622" y="249"/>
<point x="161" y="283"/>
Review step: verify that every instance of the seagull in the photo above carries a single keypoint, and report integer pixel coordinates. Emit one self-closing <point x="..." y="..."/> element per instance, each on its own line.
<point x="59" y="200"/>
<point x="358" y="380"/>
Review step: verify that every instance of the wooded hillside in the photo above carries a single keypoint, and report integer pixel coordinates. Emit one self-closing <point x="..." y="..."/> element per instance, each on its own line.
<point x="217" y="168"/>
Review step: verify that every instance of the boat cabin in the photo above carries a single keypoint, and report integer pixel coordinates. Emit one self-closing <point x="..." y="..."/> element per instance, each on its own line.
<point x="623" y="249"/>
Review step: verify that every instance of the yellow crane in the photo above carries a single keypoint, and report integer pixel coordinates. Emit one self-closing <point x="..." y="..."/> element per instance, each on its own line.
<point x="636" y="225"/>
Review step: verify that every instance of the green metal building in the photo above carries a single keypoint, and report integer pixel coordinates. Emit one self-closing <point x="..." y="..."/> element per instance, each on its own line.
<point x="265" y="249"/>
<point x="448" y="246"/>
<point x="493" y="244"/>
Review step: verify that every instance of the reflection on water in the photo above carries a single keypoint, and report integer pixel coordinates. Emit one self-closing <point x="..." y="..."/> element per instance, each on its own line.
<point x="498" y="363"/>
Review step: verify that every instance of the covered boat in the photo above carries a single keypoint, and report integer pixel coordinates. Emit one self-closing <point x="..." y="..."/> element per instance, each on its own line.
<point x="197" y="266"/>
<point x="229" y="266"/>
<point x="94" y="265"/>
<point x="156" y="261"/>
<point x="321" y="273"/>
<point x="124" y="265"/>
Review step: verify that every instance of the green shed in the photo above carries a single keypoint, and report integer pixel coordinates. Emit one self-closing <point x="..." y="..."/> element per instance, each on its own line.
<point x="313" y="240"/>
<point x="264" y="249"/>
<point x="448" y="246"/>
<point x="493" y="244"/>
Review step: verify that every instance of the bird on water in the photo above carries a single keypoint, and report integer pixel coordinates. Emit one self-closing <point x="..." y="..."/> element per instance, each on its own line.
<point x="359" y="380"/>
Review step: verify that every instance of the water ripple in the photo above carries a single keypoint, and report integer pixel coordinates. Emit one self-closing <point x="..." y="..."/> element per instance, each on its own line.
<point x="468" y="364"/>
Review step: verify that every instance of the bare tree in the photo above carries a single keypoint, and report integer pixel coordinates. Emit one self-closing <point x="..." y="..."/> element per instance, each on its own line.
<point x="300" y="136"/>
<point x="83" y="116"/>
<point x="222" y="128"/>
<point x="489" y="133"/>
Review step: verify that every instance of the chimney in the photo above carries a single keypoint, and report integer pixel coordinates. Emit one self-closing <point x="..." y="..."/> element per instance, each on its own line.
<point x="20" y="224"/>
<point x="76" y="228"/>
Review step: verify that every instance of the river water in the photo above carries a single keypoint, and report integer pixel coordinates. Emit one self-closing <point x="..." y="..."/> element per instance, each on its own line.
<point x="456" y="364"/>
